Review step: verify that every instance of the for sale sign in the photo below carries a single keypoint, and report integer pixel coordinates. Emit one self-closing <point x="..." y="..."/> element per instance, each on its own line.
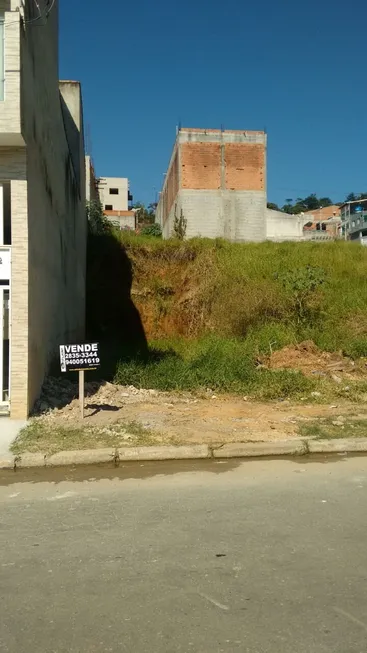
<point x="79" y="357"/>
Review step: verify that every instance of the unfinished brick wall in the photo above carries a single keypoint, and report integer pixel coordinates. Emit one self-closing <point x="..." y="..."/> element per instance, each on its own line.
<point x="171" y="188"/>
<point x="244" y="166"/>
<point x="201" y="166"/>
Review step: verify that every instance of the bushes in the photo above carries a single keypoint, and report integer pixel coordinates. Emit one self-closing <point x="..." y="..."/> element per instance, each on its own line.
<point x="152" y="230"/>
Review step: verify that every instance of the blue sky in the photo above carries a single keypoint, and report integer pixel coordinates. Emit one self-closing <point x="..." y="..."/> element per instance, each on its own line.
<point x="297" y="69"/>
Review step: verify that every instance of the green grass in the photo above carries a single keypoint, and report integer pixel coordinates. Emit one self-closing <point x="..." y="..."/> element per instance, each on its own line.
<point x="41" y="436"/>
<point x="210" y="308"/>
<point x="225" y="365"/>
<point x="331" y="428"/>
<point x="235" y="290"/>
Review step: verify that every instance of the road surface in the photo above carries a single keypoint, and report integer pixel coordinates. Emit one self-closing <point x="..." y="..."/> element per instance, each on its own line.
<point x="255" y="556"/>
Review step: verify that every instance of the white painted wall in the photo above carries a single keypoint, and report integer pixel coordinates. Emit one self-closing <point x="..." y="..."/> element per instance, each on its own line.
<point x="118" y="202"/>
<point x="280" y="226"/>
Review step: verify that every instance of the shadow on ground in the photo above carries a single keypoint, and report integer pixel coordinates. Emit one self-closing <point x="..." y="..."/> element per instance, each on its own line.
<point x="112" y="320"/>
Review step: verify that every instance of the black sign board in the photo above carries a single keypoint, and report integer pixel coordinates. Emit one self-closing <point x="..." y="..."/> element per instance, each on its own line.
<point x="74" y="358"/>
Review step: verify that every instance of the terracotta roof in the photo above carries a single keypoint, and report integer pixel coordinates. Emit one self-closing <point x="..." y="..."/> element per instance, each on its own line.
<point x="324" y="213"/>
<point x="120" y="214"/>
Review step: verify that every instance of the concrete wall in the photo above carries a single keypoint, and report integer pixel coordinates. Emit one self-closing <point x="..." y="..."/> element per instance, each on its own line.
<point x="219" y="214"/>
<point x="49" y="220"/>
<point x="280" y="226"/>
<point x="118" y="202"/>
<point x="123" y="221"/>
<point x="218" y="180"/>
<point x="10" y="112"/>
<point x="91" y="188"/>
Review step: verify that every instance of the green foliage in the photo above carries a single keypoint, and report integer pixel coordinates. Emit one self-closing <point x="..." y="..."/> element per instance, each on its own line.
<point x="354" y="197"/>
<point x="216" y="363"/>
<point x="233" y="289"/>
<point x="309" y="203"/>
<point x="212" y="310"/>
<point x="152" y="230"/>
<point x="97" y="222"/>
<point x="302" y="283"/>
<point x="145" y="215"/>
<point x="273" y="206"/>
<point x="180" y="225"/>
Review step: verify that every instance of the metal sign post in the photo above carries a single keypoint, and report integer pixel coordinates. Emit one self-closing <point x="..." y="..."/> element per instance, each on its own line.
<point x="81" y="393"/>
<point x="79" y="358"/>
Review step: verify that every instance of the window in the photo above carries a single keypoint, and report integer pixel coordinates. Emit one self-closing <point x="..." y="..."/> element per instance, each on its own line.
<point x="324" y="227"/>
<point x="108" y="207"/>
<point x="114" y="191"/>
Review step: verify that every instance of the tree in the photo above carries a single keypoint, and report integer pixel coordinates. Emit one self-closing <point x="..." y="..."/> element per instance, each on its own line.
<point x="309" y="203"/>
<point x="351" y="197"/>
<point x="288" y="208"/>
<point x="325" y="201"/>
<point x="354" y="197"/>
<point x="145" y="215"/>
<point x="272" y="206"/>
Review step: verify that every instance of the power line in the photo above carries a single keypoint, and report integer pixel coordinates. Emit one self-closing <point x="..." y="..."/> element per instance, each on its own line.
<point x="38" y="18"/>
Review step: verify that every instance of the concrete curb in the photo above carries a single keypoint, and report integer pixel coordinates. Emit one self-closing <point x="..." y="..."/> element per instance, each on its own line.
<point x="254" y="449"/>
<point x="295" y="447"/>
<point x="338" y="446"/>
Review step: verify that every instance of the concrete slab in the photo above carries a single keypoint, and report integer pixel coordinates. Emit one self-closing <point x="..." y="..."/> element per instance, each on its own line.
<point x="9" y="429"/>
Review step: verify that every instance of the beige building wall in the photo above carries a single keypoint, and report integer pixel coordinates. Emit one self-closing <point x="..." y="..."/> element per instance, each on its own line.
<point x="49" y="226"/>
<point x="118" y="201"/>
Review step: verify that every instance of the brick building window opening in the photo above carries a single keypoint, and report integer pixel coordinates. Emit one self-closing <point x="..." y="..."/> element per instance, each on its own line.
<point x="114" y="191"/>
<point x="324" y="227"/>
<point x="108" y="207"/>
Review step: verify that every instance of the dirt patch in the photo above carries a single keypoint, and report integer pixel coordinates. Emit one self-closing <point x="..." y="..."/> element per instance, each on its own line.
<point x="311" y="361"/>
<point x="160" y="417"/>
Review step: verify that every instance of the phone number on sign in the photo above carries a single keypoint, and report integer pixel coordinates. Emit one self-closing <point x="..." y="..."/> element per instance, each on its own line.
<point x="83" y="361"/>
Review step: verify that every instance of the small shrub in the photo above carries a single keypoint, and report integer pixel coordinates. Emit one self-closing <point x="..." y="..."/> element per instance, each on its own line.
<point x="152" y="230"/>
<point x="180" y="225"/>
<point x="302" y="284"/>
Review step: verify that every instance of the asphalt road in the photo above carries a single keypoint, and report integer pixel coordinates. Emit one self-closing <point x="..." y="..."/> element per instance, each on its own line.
<point x="259" y="556"/>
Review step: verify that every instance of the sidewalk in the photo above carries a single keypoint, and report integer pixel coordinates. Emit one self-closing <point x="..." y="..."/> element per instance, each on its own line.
<point x="9" y="430"/>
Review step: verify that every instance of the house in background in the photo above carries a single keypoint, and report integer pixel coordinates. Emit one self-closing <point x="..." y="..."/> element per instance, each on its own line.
<point x="323" y="223"/>
<point x="115" y="198"/>
<point x="43" y="227"/>
<point x="114" y="193"/>
<point x="354" y="221"/>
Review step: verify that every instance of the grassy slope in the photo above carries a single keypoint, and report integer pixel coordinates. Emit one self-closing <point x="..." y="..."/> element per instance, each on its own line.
<point x="211" y="307"/>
